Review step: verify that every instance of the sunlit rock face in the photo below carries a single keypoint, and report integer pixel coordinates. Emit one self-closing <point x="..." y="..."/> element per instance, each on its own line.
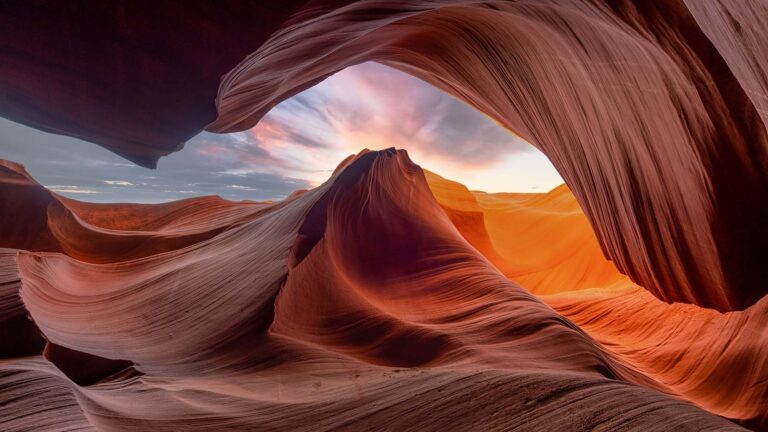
<point x="389" y="298"/>
<point x="544" y="243"/>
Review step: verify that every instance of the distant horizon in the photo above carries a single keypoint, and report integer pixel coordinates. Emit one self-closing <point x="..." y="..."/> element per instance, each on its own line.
<point x="297" y="146"/>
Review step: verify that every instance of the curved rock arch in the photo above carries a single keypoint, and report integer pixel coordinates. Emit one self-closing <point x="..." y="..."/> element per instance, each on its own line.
<point x="625" y="101"/>
<point x="653" y="112"/>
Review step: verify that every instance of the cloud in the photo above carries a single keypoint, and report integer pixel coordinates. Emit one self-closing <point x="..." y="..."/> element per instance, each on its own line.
<point x="241" y="187"/>
<point x="372" y="105"/>
<point x="102" y="176"/>
<point x="68" y="189"/>
<point x="296" y="146"/>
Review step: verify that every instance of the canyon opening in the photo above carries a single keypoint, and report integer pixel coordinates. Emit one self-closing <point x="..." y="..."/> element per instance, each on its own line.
<point x="540" y="215"/>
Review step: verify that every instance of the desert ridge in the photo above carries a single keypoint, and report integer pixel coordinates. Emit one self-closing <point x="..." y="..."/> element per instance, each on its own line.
<point x="362" y="301"/>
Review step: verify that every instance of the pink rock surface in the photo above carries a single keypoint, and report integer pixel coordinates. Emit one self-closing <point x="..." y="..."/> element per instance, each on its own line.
<point x="359" y="304"/>
<point x="387" y="298"/>
<point x="652" y="111"/>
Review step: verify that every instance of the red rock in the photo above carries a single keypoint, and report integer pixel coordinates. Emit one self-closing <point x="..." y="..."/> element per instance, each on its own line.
<point x="363" y="303"/>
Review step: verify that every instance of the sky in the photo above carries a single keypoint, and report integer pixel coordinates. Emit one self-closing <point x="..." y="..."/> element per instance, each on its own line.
<point x="297" y="145"/>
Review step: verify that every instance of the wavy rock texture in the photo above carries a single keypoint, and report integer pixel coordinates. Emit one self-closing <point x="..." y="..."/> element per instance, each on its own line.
<point x="361" y="304"/>
<point x="544" y="242"/>
<point x="632" y="103"/>
<point x="387" y="298"/>
<point x="654" y="112"/>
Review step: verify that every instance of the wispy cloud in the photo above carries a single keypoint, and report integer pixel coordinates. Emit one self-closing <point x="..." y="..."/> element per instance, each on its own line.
<point x="374" y="106"/>
<point x="69" y="189"/>
<point x="55" y="161"/>
<point x="297" y="145"/>
<point x="241" y="187"/>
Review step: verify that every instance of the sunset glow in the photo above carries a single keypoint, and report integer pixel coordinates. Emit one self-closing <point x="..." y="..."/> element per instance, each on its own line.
<point x="298" y="144"/>
<point x="373" y="106"/>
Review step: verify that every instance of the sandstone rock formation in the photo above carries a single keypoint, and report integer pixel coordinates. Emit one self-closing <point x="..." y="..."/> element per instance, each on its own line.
<point x="360" y="304"/>
<point x="389" y="298"/>
<point x="652" y="111"/>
